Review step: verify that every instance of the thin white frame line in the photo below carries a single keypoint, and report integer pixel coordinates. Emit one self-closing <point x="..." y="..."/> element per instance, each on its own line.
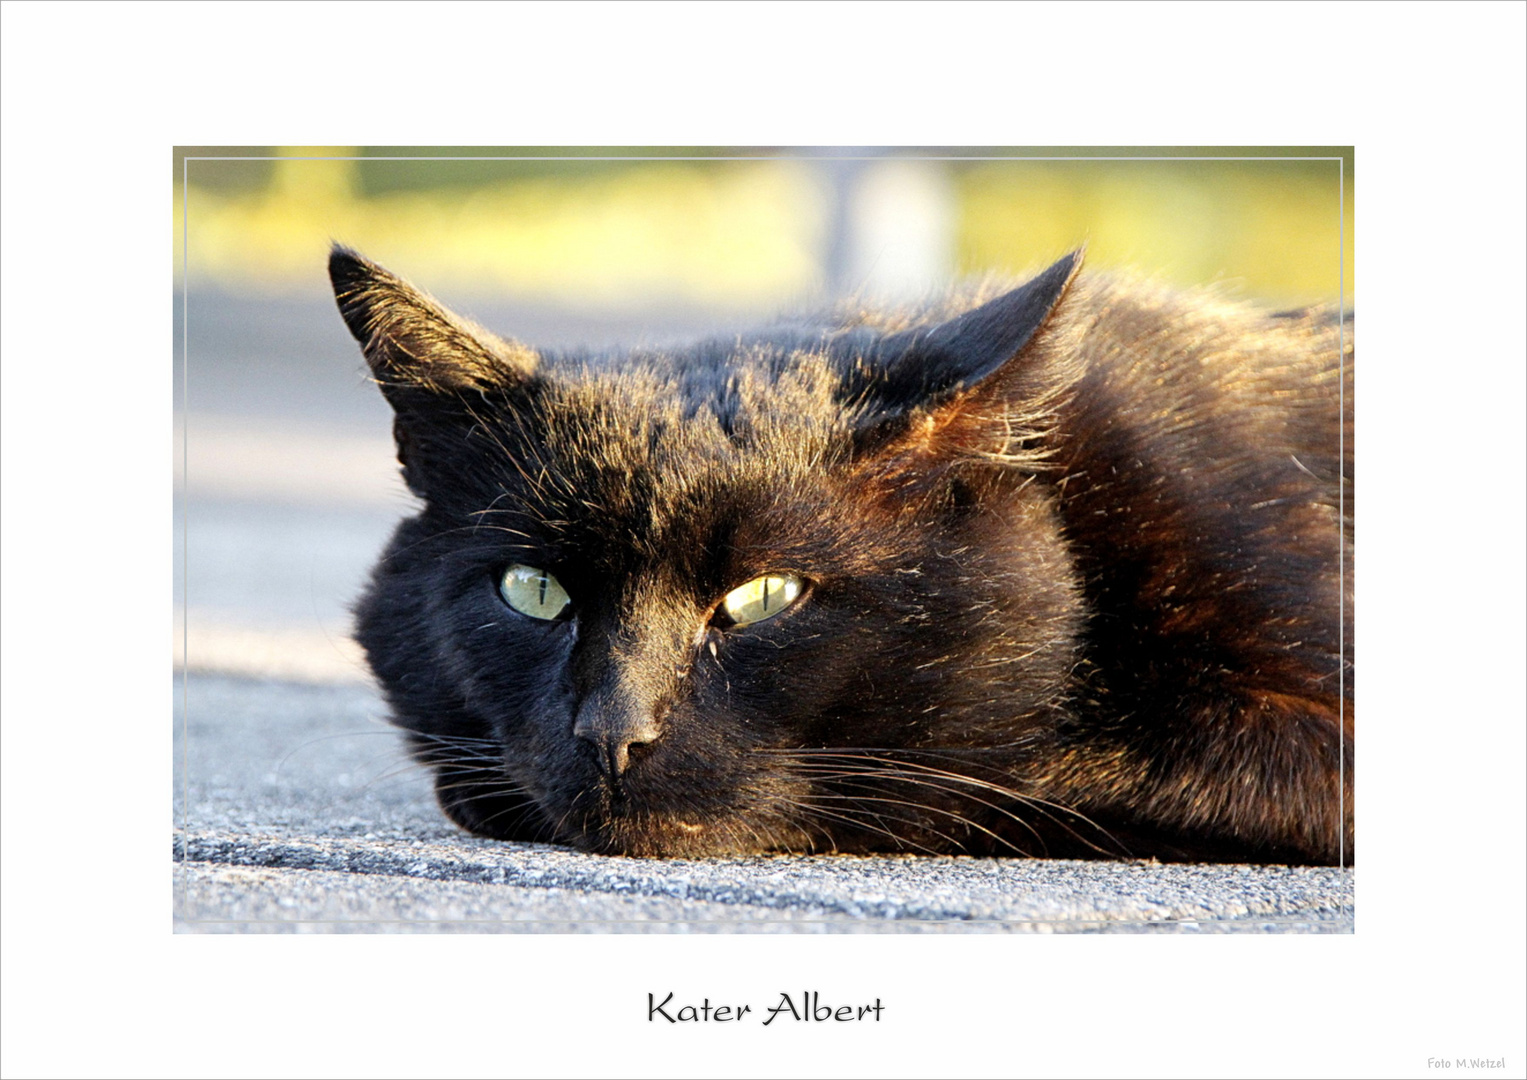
<point x="1341" y="547"/>
<point x="889" y="154"/>
<point x="185" y="493"/>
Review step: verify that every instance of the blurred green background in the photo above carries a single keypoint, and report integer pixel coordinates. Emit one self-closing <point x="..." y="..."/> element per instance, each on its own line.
<point x="750" y="230"/>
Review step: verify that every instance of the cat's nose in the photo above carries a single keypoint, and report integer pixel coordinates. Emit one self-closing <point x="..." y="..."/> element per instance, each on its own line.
<point x="617" y="747"/>
<point x="619" y="731"/>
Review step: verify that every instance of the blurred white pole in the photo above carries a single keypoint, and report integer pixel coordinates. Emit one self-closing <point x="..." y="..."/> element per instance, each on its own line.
<point x="893" y="232"/>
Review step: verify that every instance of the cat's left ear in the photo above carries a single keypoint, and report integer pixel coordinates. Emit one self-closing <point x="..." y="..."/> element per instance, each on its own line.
<point x="999" y="365"/>
<point x="927" y="365"/>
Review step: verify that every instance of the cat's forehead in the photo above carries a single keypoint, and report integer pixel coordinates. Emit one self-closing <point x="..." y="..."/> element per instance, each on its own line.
<point x="714" y="400"/>
<point x="648" y="448"/>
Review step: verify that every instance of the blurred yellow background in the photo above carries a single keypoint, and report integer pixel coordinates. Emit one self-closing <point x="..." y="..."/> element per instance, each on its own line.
<point x="287" y="471"/>
<point x="753" y="230"/>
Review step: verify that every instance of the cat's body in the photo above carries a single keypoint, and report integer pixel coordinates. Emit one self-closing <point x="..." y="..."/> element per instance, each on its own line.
<point x="1066" y="572"/>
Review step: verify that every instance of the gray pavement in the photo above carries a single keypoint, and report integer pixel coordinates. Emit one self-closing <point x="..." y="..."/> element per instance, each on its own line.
<point x="296" y="809"/>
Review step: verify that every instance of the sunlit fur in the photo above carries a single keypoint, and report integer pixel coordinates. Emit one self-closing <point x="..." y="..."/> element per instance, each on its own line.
<point x="1075" y="559"/>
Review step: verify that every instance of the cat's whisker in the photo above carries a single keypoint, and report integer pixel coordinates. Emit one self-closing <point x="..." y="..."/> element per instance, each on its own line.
<point x="528" y="448"/>
<point x="1030" y="800"/>
<point x="395" y="757"/>
<point x="934" y="809"/>
<point x="403" y="549"/>
<point x="523" y="809"/>
<point x="492" y="508"/>
<point x="902" y="779"/>
<point x="1041" y="805"/>
<point x="452" y="740"/>
<point x="401" y="771"/>
<point x="842" y="814"/>
<point x="440" y="755"/>
<point x="482" y="747"/>
<point x="793" y="818"/>
<point x="482" y="787"/>
<point x="814" y="813"/>
<point x="561" y="826"/>
<point x="831" y="773"/>
<point x="315" y="740"/>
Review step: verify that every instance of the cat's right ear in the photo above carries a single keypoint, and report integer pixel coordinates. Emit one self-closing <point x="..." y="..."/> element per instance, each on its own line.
<point x="432" y="365"/>
<point x="413" y="345"/>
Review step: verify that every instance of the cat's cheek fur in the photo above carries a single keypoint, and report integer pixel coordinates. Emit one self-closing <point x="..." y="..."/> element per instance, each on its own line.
<point x="965" y="589"/>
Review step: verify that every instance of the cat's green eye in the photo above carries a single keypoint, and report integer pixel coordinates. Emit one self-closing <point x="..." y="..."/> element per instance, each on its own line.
<point x="762" y="598"/>
<point x="532" y="591"/>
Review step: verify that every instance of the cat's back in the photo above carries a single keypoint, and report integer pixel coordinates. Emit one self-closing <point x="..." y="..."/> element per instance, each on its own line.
<point x="1192" y="370"/>
<point x="1197" y="410"/>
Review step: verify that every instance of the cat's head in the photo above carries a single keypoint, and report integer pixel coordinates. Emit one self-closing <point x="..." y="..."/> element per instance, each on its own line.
<point x="794" y="589"/>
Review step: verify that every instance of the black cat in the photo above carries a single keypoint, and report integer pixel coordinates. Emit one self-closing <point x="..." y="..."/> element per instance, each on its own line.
<point x="1063" y="570"/>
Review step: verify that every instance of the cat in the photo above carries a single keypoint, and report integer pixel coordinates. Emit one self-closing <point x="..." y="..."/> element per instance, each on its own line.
<point x="1060" y="569"/>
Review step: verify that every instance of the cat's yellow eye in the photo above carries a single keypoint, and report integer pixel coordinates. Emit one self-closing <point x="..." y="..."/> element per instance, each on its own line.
<point x="762" y="598"/>
<point x="532" y="591"/>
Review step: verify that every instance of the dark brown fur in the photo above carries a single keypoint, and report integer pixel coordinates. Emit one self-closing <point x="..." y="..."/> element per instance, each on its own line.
<point x="1078" y="558"/>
